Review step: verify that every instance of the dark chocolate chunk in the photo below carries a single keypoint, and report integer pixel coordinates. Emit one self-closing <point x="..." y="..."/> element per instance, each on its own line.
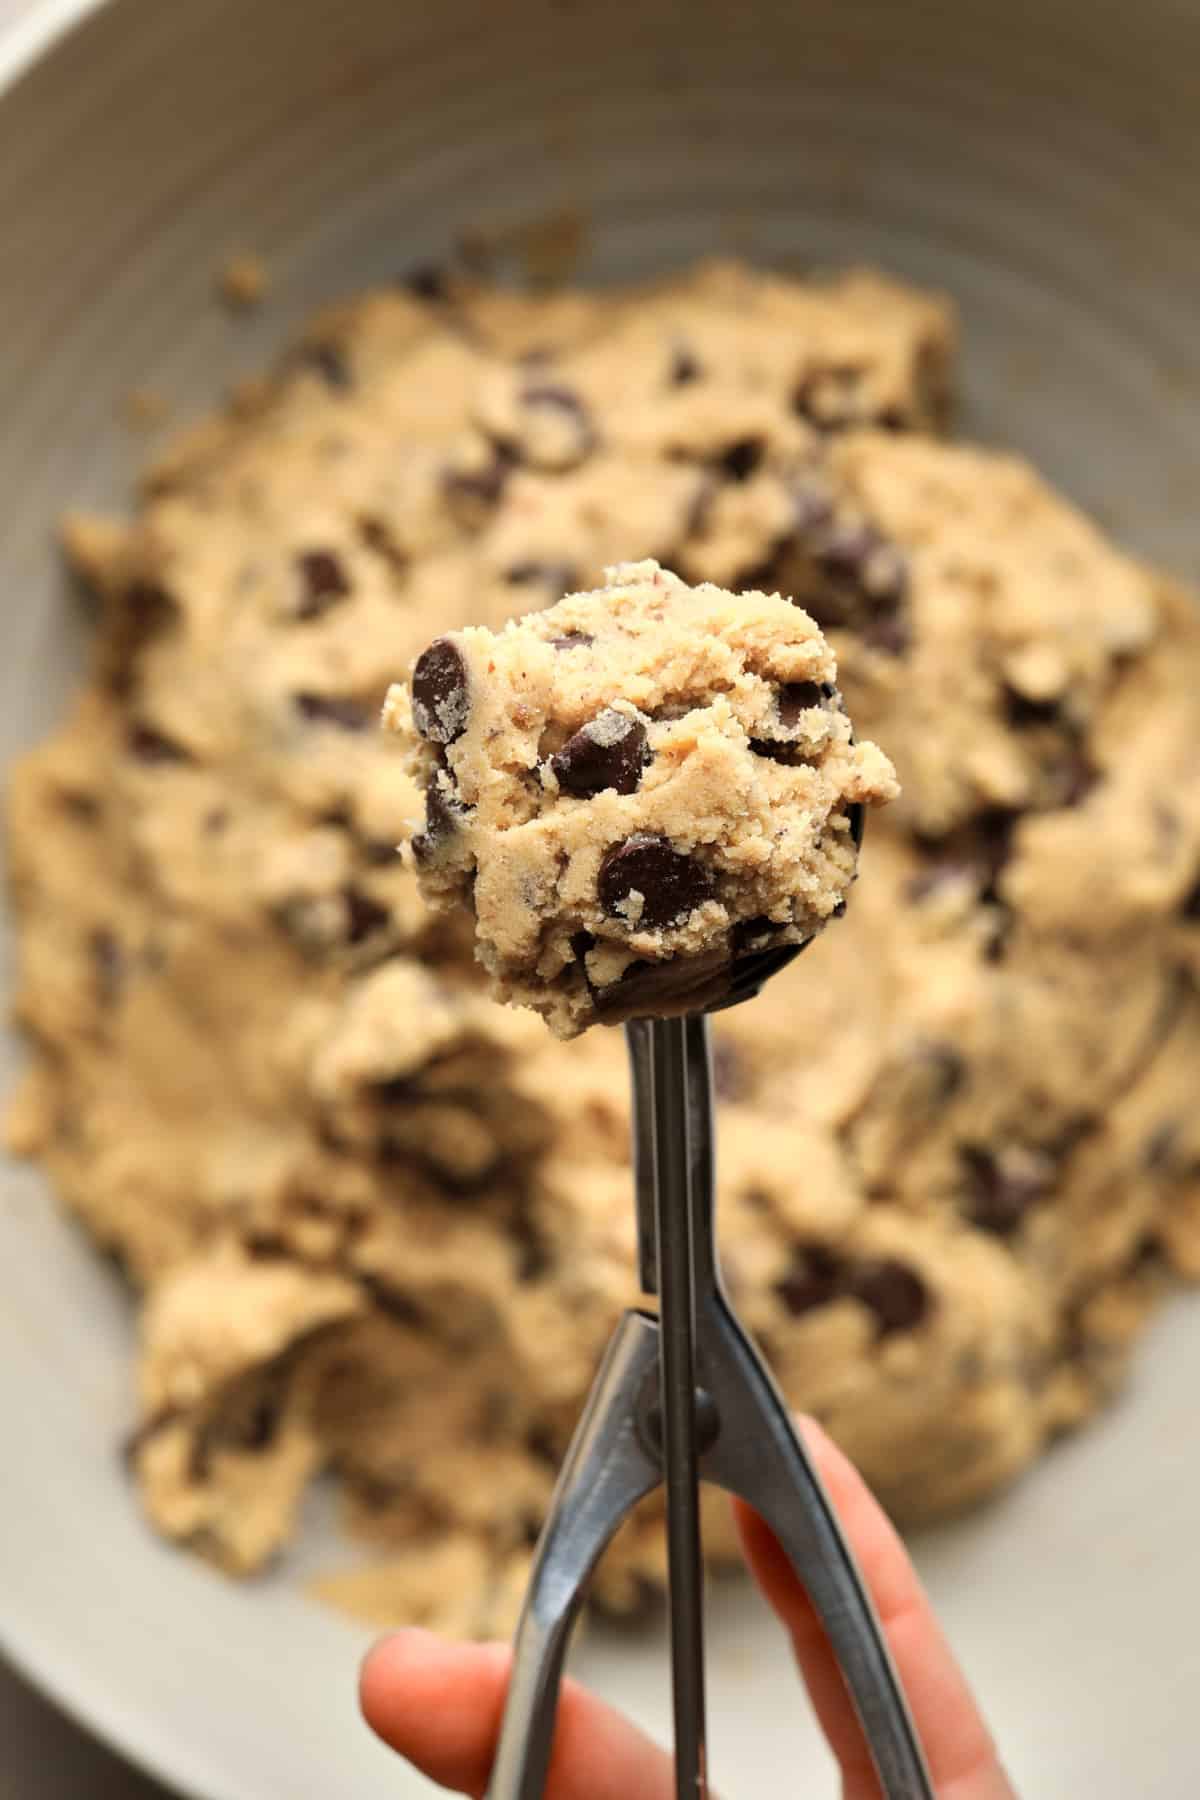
<point x="942" y="1072"/>
<point x="377" y="535"/>
<point x="1024" y="714"/>
<point x="814" y="1279"/>
<point x="829" y="396"/>
<point x="671" y="884"/>
<point x="428" y="282"/>
<point x="108" y="959"/>
<point x="560" y="577"/>
<point x="895" y="1294"/>
<point x="812" y="508"/>
<point x="567" y="402"/>
<point x="610" y="751"/>
<point x="1002" y="1186"/>
<point x="1160" y="1147"/>
<point x="440" y="697"/>
<point x="793" y="699"/>
<point x="328" y="360"/>
<point x="977" y="851"/>
<point x="364" y="916"/>
<point x="444" y="813"/>
<point x="741" y="459"/>
<point x="483" y="486"/>
<point x="323" y="582"/>
<point x="756" y="934"/>
<point x="685" y="367"/>
<point x="889" y="632"/>
<point x="860" y="556"/>
<point x="342" y="710"/>
<point x="573" y="640"/>
<point x="149" y="745"/>
<point x="1073" y="777"/>
<point x="554" y="394"/>
<point x="79" y="805"/>
<point x="1190" y="910"/>
<point x="797" y="697"/>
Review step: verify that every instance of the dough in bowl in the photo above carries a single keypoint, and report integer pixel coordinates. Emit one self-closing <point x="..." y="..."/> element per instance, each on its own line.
<point x="378" y="1224"/>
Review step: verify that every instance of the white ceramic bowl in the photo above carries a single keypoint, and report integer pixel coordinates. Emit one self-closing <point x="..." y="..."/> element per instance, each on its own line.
<point x="1038" y="161"/>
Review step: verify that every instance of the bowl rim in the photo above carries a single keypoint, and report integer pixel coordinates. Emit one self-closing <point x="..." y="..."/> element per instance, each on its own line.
<point x="35" y="30"/>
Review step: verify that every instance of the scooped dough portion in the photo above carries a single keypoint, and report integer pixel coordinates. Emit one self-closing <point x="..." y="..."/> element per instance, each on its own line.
<point x="643" y="793"/>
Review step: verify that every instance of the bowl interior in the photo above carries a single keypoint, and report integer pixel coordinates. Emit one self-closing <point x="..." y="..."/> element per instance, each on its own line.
<point x="1040" y="164"/>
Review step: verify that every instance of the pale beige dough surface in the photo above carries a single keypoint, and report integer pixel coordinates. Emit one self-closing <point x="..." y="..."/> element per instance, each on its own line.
<point x="960" y="1151"/>
<point x="636" y="793"/>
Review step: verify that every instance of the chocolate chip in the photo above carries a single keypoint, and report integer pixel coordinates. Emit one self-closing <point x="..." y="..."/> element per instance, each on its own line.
<point x="364" y="916"/>
<point x="756" y="934"/>
<point x="943" y="1073"/>
<point x="889" y="632"/>
<point x="830" y="396"/>
<point x="581" y="943"/>
<point x="797" y="697"/>
<point x="1160" y="1147"/>
<point x="323" y="581"/>
<point x="610" y="751"/>
<point x="444" y="813"/>
<point x="573" y="640"/>
<point x="108" y="959"/>
<point x="857" y="554"/>
<point x="977" y="851"/>
<point x="685" y="367"/>
<point x="1073" y="777"/>
<point x="440" y="695"/>
<point x="812" y="509"/>
<point x="813" y="1280"/>
<point x="79" y="805"/>
<point x="377" y="535"/>
<point x="1002" y="1186"/>
<point x="671" y="884"/>
<point x="328" y="360"/>
<point x="891" y="1290"/>
<point x="1190" y="910"/>
<point x="428" y="282"/>
<point x="341" y="710"/>
<point x="534" y="1256"/>
<point x="741" y="459"/>
<point x="149" y="745"/>
<point x="481" y="486"/>
<point x="560" y="578"/>
<point x="1023" y="714"/>
<point x="553" y="394"/>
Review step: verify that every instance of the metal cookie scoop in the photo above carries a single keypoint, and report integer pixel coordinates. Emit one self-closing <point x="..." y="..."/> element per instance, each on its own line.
<point x="681" y="1397"/>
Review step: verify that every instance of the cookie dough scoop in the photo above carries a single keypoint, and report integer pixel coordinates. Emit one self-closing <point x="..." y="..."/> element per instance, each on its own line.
<point x="652" y="799"/>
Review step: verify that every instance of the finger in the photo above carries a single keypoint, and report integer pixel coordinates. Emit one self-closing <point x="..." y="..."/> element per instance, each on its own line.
<point x="440" y="1706"/>
<point x="962" y="1758"/>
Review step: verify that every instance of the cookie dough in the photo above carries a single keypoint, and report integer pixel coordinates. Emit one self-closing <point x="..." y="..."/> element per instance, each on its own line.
<point x="636" y="792"/>
<point x="960" y="1151"/>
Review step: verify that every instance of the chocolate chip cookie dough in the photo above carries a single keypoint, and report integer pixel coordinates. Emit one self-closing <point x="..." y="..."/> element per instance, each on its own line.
<point x="382" y="1227"/>
<point x="635" y="792"/>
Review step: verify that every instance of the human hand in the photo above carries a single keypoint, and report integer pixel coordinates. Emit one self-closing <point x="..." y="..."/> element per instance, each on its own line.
<point x="440" y="1704"/>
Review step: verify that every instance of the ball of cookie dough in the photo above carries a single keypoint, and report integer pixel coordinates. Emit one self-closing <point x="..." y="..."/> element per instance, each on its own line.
<point x="637" y="792"/>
